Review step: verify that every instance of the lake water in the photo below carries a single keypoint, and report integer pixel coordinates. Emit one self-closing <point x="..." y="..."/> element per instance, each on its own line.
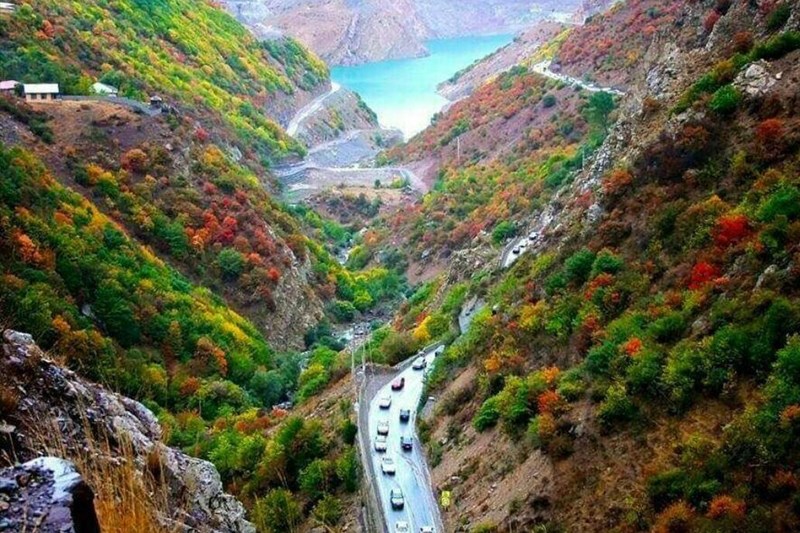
<point x="403" y="92"/>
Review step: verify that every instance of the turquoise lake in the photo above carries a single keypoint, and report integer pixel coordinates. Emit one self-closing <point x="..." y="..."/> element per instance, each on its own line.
<point x="403" y="92"/>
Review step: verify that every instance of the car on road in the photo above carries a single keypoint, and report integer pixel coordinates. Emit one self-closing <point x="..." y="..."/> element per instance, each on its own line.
<point x="385" y="402"/>
<point x="380" y="443"/>
<point x="398" y="384"/>
<point x="405" y="415"/>
<point x="383" y="427"/>
<point x="532" y="236"/>
<point x="396" y="499"/>
<point x="516" y="250"/>
<point x="388" y="467"/>
<point x="402" y="527"/>
<point x="419" y="363"/>
<point x="427" y="529"/>
<point x="439" y="350"/>
<point x="406" y="442"/>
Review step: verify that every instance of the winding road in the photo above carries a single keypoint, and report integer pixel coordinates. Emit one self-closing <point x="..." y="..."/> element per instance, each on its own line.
<point x="310" y="108"/>
<point x="543" y="68"/>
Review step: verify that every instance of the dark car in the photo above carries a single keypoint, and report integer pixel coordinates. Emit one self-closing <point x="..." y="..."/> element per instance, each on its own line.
<point x="406" y="443"/>
<point x="405" y="415"/>
<point x="398" y="384"/>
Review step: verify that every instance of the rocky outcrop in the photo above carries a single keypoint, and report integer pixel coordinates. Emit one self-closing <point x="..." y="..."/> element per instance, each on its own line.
<point x="40" y="396"/>
<point x="345" y="32"/>
<point x="49" y="493"/>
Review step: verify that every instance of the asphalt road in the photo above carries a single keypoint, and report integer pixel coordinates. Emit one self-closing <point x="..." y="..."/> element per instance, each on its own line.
<point x="310" y="109"/>
<point x="543" y="68"/>
<point x="412" y="476"/>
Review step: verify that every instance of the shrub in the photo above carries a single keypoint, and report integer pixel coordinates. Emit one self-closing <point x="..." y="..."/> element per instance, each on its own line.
<point x="725" y="100"/>
<point x="666" y="487"/>
<point x="488" y="414"/>
<point x="578" y="266"/>
<point x="277" y="511"/>
<point x="725" y="506"/>
<point x="328" y="510"/>
<point x="230" y="263"/>
<point x="668" y="328"/>
<point x="503" y="231"/>
<point x="785" y="201"/>
<point x="702" y="273"/>
<point x="617" y="406"/>
<point x="549" y="100"/>
<point x="730" y="230"/>
<point x="779" y="16"/>
<point x="677" y="518"/>
<point x="606" y="262"/>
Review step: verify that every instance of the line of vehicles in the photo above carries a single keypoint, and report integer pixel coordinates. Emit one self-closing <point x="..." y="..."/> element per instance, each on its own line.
<point x="381" y="444"/>
<point x="523" y="245"/>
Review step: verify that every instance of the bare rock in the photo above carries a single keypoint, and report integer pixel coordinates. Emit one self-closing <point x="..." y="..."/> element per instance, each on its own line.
<point x="50" y="493"/>
<point x="57" y="397"/>
<point x="755" y="81"/>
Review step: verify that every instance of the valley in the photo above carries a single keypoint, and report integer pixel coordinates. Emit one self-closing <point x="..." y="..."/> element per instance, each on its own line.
<point x="544" y="257"/>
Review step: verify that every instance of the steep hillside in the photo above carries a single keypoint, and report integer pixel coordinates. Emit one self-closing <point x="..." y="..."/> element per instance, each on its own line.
<point x="524" y="46"/>
<point x="349" y="33"/>
<point x="635" y="368"/>
<point x="188" y="51"/>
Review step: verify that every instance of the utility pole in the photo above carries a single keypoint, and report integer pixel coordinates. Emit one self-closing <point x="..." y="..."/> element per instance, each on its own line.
<point x="458" y="149"/>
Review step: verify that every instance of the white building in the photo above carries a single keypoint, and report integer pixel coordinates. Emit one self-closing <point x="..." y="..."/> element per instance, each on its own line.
<point x="105" y="90"/>
<point x="41" y="92"/>
<point x="8" y="86"/>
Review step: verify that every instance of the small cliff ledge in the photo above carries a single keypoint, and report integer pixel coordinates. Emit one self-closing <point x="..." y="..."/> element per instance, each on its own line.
<point x="48" y="410"/>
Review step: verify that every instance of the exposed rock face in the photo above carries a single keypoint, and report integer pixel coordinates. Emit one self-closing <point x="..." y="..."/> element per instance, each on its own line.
<point x="755" y="81"/>
<point x="348" y="32"/>
<point x="47" y="491"/>
<point x="50" y="396"/>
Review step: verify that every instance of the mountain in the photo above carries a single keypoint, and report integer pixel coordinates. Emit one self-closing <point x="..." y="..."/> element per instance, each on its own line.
<point x="147" y="249"/>
<point x="630" y="262"/>
<point x="350" y="33"/>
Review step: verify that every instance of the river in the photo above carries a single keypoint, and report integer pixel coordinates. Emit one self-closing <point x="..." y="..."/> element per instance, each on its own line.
<point x="403" y="92"/>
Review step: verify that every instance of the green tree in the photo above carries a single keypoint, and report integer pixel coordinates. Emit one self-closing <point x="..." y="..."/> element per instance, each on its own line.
<point x="598" y="109"/>
<point x="347" y="469"/>
<point x="328" y="510"/>
<point x="230" y="263"/>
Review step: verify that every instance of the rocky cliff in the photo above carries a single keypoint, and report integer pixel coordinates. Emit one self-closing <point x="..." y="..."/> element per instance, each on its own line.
<point x="48" y="410"/>
<point x="348" y="33"/>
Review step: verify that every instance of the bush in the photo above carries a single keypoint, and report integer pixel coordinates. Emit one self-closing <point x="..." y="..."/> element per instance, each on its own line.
<point x="328" y="510"/>
<point x="503" y="231"/>
<point x="549" y="100"/>
<point x="488" y="414"/>
<point x="668" y="328"/>
<point x="617" y="406"/>
<point x="785" y="201"/>
<point x="606" y="262"/>
<point x="725" y="100"/>
<point x="277" y="512"/>
<point x="578" y="267"/>
<point x="666" y="487"/>
<point x="231" y="264"/>
<point x="779" y="16"/>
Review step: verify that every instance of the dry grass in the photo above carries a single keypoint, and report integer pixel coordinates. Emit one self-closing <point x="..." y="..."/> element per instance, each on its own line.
<point x="129" y="497"/>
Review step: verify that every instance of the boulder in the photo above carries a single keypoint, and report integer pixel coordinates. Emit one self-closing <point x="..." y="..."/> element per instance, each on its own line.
<point x="52" y="396"/>
<point x="49" y="493"/>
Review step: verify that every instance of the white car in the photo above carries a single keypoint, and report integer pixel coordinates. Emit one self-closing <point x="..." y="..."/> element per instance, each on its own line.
<point x="388" y="466"/>
<point x="516" y="250"/>
<point x="439" y="350"/>
<point x="380" y="443"/>
<point x="419" y="363"/>
<point x="532" y="236"/>
<point x="402" y="527"/>
<point x="383" y="427"/>
<point x="385" y="402"/>
<point x="427" y="529"/>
